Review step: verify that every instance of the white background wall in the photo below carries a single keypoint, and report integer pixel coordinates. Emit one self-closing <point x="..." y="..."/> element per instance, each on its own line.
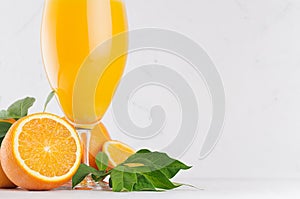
<point x="255" y="46"/>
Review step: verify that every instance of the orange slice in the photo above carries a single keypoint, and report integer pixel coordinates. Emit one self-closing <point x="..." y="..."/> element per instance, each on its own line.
<point x="117" y="152"/>
<point x="41" y="152"/>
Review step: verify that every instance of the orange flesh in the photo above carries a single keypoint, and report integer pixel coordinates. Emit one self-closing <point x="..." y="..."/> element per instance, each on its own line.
<point x="48" y="149"/>
<point x="119" y="152"/>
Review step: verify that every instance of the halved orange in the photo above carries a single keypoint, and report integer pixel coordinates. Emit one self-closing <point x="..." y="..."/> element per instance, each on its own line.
<point x="117" y="152"/>
<point x="41" y="152"/>
<point x="99" y="135"/>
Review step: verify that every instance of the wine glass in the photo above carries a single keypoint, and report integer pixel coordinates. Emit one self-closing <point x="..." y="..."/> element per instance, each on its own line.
<point x="84" y="44"/>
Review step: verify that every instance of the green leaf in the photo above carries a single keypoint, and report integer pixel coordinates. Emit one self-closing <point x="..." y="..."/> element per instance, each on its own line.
<point x="159" y="180"/>
<point x="84" y="171"/>
<point x="49" y="98"/>
<point x="172" y="169"/>
<point x="160" y="161"/>
<point x="143" y="184"/>
<point x="188" y="185"/>
<point x="146" y="171"/>
<point x="95" y="178"/>
<point x="4" y="127"/>
<point x="16" y="110"/>
<point x="1" y="140"/>
<point x="4" y="115"/>
<point x="143" y="171"/>
<point x="110" y="183"/>
<point x="123" y="180"/>
<point x="20" y="108"/>
<point x="144" y="151"/>
<point x="141" y="178"/>
<point x="102" y="161"/>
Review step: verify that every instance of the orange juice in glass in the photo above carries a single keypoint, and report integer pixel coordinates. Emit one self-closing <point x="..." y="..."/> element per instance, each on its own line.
<point x="77" y="41"/>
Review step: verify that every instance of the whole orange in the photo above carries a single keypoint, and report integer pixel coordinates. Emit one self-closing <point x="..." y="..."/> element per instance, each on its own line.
<point x="99" y="135"/>
<point x="4" y="181"/>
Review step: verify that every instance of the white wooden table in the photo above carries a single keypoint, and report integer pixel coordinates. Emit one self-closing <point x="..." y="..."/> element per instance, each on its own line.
<point x="214" y="188"/>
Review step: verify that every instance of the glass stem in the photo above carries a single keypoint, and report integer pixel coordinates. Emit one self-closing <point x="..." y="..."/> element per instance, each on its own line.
<point x="85" y="136"/>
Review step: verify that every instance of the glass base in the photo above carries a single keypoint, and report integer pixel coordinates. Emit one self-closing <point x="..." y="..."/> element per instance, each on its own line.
<point x="89" y="184"/>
